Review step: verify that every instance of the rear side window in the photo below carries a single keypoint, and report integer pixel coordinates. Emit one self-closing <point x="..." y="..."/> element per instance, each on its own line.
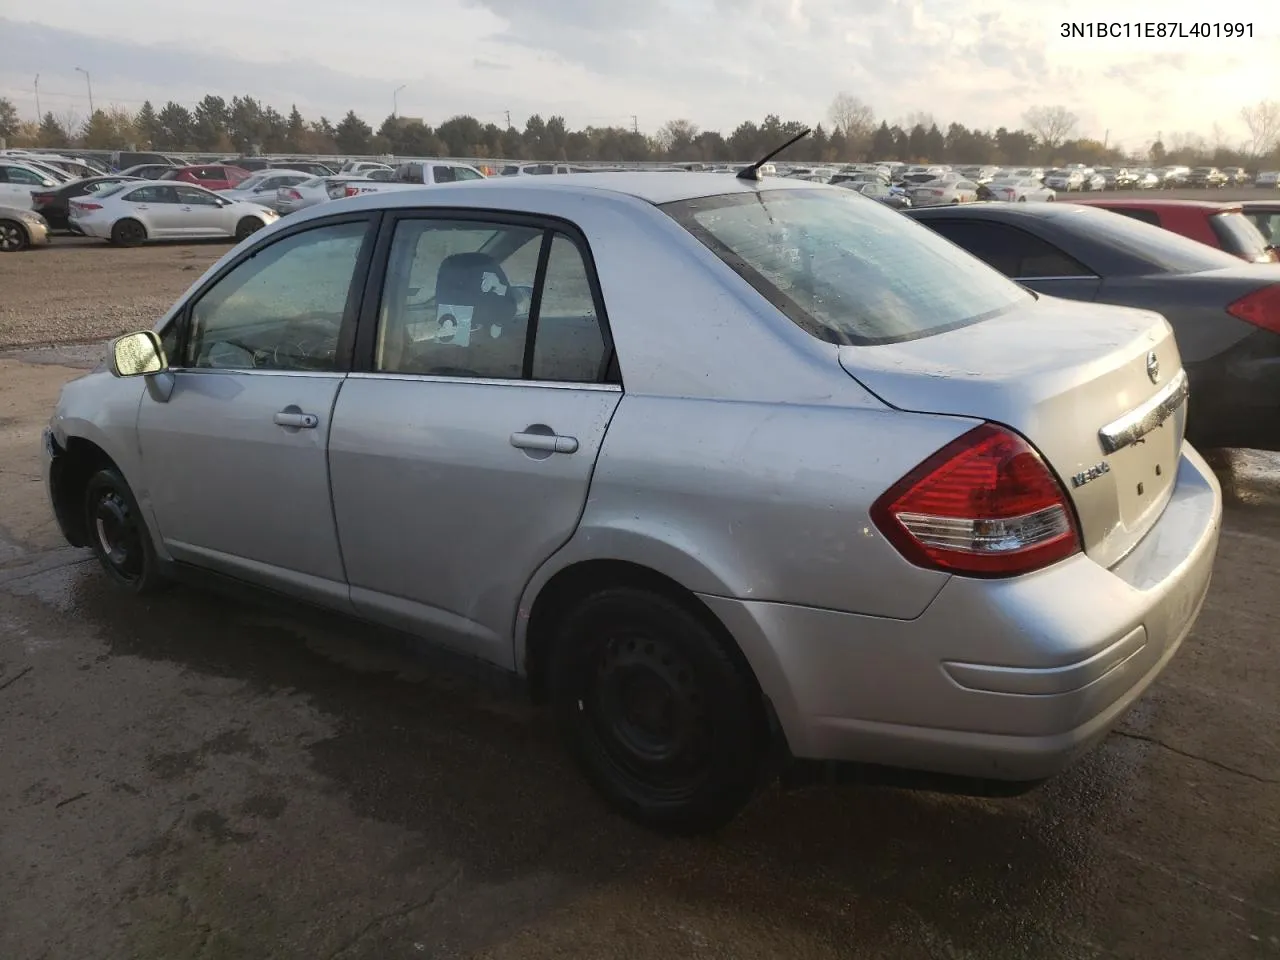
<point x="1013" y="252"/>
<point x="443" y="174"/>
<point x="1238" y="235"/>
<point x="844" y="270"/>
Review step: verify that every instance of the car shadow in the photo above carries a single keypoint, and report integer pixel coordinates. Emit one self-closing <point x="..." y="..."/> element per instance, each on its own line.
<point x="454" y="752"/>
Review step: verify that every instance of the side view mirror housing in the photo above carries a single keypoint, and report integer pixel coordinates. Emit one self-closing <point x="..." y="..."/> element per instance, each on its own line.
<point x="137" y="355"/>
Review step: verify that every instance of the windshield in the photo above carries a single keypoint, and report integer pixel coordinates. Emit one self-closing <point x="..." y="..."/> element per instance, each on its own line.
<point x="844" y="268"/>
<point x="1238" y="235"/>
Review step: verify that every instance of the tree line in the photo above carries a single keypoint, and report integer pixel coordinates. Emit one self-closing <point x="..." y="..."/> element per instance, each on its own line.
<point x="1048" y="134"/>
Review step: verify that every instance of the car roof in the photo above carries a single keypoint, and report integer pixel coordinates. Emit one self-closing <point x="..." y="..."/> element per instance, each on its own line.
<point x="1142" y="204"/>
<point x="656" y="187"/>
<point x="1260" y="205"/>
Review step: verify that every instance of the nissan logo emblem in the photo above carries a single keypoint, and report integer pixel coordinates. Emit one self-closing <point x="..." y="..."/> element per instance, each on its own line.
<point x="1153" y="367"/>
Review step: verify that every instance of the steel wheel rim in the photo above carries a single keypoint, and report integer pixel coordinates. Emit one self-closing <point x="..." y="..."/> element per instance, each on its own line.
<point x="11" y="237"/>
<point x="119" y="536"/>
<point x="648" y="716"/>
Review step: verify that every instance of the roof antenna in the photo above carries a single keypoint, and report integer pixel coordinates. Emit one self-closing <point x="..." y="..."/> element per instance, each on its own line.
<point x="753" y="172"/>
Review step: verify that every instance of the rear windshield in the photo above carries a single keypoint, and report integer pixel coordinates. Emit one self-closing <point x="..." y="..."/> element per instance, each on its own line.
<point x="844" y="268"/>
<point x="1238" y="235"/>
<point x="1166" y="251"/>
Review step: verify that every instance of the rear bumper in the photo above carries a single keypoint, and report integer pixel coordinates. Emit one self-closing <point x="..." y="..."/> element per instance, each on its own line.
<point x="1002" y="680"/>
<point x="1233" y="396"/>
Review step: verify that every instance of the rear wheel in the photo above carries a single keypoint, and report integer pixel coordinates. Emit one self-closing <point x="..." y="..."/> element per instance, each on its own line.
<point x="1022" y="199"/>
<point x="13" y="236"/>
<point x="118" y="535"/>
<point x="128" y="233"/>
<point x="248" y="225"/>
<point x="663" y="719"/>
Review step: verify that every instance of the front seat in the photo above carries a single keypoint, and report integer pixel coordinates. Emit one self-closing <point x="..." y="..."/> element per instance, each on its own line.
<point x="475" y="283"/>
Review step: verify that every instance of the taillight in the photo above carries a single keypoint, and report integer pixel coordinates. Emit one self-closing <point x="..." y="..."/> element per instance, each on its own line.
<point x="291" y="194"/>
<point x="40" y="199"/>
<point x="351" y="192"/>
<point x="82" y="205"/>
<point x="1261" y="308"/>
<point x="985" y="505"/>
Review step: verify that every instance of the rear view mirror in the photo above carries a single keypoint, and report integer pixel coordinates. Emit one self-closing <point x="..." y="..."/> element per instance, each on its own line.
<point x="137" y="354"/>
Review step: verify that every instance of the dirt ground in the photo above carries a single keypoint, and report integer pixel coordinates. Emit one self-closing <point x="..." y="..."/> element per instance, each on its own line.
<point x="204" y="775"/>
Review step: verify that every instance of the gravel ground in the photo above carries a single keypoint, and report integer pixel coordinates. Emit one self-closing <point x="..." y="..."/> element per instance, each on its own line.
<point x="43" y="292"/>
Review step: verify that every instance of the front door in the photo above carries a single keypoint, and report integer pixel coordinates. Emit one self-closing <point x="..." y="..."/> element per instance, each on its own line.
<point x="201" y="213"/>
<point x="462" y="455"/>
<point x="235" y="459"/>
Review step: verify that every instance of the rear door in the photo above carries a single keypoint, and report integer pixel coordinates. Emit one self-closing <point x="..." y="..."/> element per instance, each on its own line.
<point x="462" y="449"/>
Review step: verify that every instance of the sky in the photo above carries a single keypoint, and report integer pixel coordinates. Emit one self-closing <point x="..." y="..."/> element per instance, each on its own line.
<point x="605" y="62"/>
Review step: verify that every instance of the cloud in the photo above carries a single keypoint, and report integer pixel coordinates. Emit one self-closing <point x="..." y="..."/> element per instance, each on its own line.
<point x="716" y="62"/>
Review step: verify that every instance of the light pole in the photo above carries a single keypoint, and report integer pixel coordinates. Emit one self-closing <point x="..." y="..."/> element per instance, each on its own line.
<point x="395" y="100"/>
<point x="39" y="115"/>
<point x="88" y="82"/>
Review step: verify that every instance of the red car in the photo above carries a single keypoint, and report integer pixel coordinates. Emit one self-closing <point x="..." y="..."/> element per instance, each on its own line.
<point x="1221" y="225"/>
<point x="211" y="176"/>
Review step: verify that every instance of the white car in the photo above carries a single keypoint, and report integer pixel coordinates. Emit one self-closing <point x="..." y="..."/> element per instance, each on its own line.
<point x="308" y="193"/>
<point x="359" y="168"/>
<point x="137" y="211"/>
<point x="950" y="188"/>
<point x="418" y="173"/>
<point x="18" y="181"/>
<point x="1268" y="178"/>
<point x="264" y="186"/>
<point x="1020" y="190"/>
<point x="1069" y="180"/>
<point x="1092" y="180"/>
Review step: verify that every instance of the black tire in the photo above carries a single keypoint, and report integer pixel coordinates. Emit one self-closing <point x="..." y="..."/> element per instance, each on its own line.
<point x="248" y="226"/>
<point x="1049" y="199"/>
<point x="664" y="720"/>
<point x="128" y="233"/>
<point x="13" y="236"/>
<point x="1022" y="199"/>
<point x="118" y="533"/>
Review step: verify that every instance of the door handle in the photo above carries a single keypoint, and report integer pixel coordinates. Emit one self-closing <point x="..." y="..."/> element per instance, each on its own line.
<point x="548" y="442"/>
<point x="287" y="418"/>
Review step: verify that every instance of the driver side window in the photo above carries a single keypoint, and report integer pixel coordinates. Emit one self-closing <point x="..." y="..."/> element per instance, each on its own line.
<point x="456" y="299"/>
<point x="282" y="308"/>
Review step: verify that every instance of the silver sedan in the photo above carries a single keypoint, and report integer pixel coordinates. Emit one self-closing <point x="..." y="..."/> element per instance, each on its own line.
<point x="947" y="189"/>
<point x="1019" y="190"/>
<point x="728" y="470"/>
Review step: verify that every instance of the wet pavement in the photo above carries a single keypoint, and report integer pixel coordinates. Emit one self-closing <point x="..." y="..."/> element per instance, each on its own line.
<point x="203" y="775"/>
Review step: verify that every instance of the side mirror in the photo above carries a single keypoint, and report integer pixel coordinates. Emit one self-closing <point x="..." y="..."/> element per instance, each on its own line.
<point x="137" y="354"/>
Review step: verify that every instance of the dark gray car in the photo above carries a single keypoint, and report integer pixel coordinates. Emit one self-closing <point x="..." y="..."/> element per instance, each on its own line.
<point x="1225" y="314"/>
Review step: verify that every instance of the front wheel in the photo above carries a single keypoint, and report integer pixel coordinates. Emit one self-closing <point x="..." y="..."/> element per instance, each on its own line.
<point x="1022" y="199"/>
<point x="664" y="720"/>
<point x="118" y="535"/>
<point x="247" y="226"/>
<point x="13" y="237"/>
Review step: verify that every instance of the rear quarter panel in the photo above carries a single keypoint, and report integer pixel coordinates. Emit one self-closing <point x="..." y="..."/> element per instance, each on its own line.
<point x="760" y="501"/>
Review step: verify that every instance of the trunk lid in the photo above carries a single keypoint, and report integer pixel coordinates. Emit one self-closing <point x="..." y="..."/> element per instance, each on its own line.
<point x="1076" y="380"/>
